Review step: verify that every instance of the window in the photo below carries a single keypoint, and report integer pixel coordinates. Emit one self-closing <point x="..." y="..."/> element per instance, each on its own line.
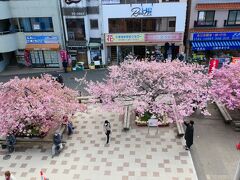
<point x="76" y="29"/>
<point x="234" y="17"/>
<point x="206" y="16"/>
<point x="37" y="24"/>
<point x="94" y="23"/>
<point x="165" y="24"/>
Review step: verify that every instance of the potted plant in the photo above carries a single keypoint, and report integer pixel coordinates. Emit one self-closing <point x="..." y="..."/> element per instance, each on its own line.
<point x="92" y="65"/>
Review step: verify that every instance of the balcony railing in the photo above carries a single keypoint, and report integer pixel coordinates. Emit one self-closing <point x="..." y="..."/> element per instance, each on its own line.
<point x="231" y="23"/>
<point x="205" y="23"/>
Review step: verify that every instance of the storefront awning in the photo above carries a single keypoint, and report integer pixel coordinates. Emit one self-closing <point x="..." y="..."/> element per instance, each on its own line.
<point x="53" y="47"/>
<point x="215" y="45"/>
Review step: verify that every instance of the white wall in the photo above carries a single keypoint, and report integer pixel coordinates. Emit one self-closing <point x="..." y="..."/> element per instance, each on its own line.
<point x="158" y="10"/>
<point x="5" y="12"/>
<point x="35" y="8"/>
<point x="8" y="43"/>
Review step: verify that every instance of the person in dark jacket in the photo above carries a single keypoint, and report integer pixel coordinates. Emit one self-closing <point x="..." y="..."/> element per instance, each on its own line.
<point x="189" y="134"/>
<point x="107" y="129"/>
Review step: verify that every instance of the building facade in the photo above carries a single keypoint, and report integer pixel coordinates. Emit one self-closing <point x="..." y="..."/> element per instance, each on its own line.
<point x="82" y="25"/>
<point x="142" y="26"/>
<point x="214" y="29"/>
<point x="30" y="33"/>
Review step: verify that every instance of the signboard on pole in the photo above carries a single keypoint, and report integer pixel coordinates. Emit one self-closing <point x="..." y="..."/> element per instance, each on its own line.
<point x="213" y="64"/>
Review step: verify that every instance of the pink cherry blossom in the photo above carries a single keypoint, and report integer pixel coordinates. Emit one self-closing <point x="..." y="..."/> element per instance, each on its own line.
<point x="38" y="103"/>
<point x="225" y="85"/>
<point x="144" y="83"/>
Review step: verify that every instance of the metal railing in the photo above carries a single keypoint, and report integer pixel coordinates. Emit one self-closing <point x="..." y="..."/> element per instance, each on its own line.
<point x="205" y="23"/>
<point x="230" y="23"/>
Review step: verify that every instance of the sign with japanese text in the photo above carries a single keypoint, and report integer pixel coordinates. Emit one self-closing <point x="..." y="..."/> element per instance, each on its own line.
<point x="64" y="55"/>
<point x="213" y="64"/>
<point x="124" y="37"/>
<point x="213" y="36"/>
<point x="42" y="39"/>
<point x="76" y="11"/>
<point x="143" y="37"/>
<point x="235" y="60"/>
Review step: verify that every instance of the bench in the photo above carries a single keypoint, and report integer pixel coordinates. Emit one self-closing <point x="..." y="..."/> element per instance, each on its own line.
<point x="35" y="140"/>
<point x="224" y="112"/>
<point x="180" y="129"/>
<point x="87" y="99"/>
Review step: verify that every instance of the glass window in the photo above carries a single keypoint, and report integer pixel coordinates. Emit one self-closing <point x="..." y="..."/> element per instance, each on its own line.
<point x="37" y="24"/>
<point x="166" y="24"/>
<point x="206" y="16"/>
<point x="234" y="17"/>
<point x="76" y="29"/>
<point x="94" y="24"/>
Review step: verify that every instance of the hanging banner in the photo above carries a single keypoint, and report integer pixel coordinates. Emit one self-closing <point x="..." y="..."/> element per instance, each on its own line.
<point x="64" y="55"/>
<point x="235" y="60"/>
<point x="213" y="64"/>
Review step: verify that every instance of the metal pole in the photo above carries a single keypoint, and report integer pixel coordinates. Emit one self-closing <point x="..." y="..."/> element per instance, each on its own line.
<point x="237" y="174"/>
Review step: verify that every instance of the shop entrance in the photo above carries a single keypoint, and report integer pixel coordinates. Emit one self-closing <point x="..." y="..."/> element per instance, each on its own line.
<point x="139" y="51"/>
<point x="45" y="59"/>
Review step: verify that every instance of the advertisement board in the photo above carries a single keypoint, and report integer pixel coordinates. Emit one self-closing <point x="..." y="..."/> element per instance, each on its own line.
<point x="213" y="64"/>
<point x="213" y="36"/>
<point x="42" y="39"/>
<point x="144" y="37"/>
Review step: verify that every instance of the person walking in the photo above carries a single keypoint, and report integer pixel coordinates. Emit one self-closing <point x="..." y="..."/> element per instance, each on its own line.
<point x="189" y="134"/>
<point x="9" y="176"/>
<point x="107" y="129"/>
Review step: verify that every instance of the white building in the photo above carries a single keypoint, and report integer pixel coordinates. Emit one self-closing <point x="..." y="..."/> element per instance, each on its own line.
<point x="142" y="26"/>
<point x="82" y="24"/>
<point x="30" y="30"/>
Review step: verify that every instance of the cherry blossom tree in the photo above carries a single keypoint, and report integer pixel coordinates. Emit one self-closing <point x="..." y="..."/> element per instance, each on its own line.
<point x="146" y="84"/>
<point x="33" y="106"/>
<point x="225" y="85"/>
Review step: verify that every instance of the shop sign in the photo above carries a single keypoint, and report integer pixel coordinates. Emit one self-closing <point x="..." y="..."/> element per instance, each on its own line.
<point x="124" y="37"/>
<point x="42" y="39"/>
<point x="110" y="1"/>
<point x="213" y="36"/>
<point x="153" y="122"/>
<point x="235" y="60"/>
<point x="141" y="11"/>
<point x="143" y="37"/>
<point x="72" y="1"/>
<point x="213" y="64"/>
<point x="163" y="37"/>
<point x="74" y="11"/>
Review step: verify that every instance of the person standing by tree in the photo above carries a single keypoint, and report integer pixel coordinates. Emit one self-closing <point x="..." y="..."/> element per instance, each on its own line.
<point x="189" y="134"/>
<point x="107" y="129"/>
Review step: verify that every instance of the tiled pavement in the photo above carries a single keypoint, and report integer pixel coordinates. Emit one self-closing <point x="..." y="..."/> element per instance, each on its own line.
<point x="130" y="156"/>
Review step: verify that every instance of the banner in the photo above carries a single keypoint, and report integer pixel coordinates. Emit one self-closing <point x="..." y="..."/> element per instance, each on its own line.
<point x="64" y="55"/>
<point x="144" y="37"/>
<point x="235" y="60"/>
<point x="213" y="64"/>
<point x="124" y="37"/>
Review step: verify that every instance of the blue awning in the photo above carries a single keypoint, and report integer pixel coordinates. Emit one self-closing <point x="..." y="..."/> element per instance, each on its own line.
<point x="215" y="45"/>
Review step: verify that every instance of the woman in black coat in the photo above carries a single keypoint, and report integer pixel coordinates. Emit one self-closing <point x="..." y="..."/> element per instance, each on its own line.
<point x="189" y="134"/>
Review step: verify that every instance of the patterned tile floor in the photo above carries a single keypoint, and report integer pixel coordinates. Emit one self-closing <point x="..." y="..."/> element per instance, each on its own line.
<point x="132" y="155"/>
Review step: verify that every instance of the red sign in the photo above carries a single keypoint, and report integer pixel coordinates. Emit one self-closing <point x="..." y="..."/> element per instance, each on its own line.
<point x="213" y="64"/>
<point x="163" y="37"/>
<point x="235" y="60"/>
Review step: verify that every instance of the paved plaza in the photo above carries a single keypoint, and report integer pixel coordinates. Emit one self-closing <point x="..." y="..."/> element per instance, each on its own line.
<point x="132" y="155"/>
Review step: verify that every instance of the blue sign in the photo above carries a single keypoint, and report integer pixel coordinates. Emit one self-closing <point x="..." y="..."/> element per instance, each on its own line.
<point x="42" y="39"/>
<point x="215" y="45"/>
<point x="216" y="36"/>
